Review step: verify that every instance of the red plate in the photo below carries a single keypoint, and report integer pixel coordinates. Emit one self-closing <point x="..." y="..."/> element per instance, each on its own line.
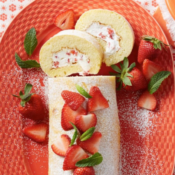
<point x="147" y="138"/>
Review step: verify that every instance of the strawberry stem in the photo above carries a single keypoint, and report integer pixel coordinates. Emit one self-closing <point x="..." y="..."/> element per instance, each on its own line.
<point x="26" y="96"/>
<point x="123" y="74"/>
<point x="157" y="44"/>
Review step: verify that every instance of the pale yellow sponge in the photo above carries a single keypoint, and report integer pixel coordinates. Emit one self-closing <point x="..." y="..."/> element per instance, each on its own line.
<point x="112" y="30"/>
<point x="107" y="122"/>
<point x="70" y="52"/>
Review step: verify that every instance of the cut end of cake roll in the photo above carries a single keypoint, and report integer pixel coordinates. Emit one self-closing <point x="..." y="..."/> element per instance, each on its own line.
<point x="112" y="30"/>
<point x="70" y="52"/>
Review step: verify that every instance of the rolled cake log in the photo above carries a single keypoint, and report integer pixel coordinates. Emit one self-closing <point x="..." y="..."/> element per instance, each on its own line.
<point x="107" y="122"/>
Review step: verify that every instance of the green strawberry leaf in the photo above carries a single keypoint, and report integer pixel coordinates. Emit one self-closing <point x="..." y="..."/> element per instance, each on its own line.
<point x="116" y="68"/>
<point x="156" y="81"/>
<point x="22" y="103"/>
<point x="129" y="75"/>
<point x="82" y="91"/>
<point x="30" y="41"/>
<point x="28" y="88"/>
<point x="87" y="134"/>
<point x="75" y="134"/>
<point x="131" y="67"/>
<point x="93" y="160"/>
<point x="26" y="64"/>
<point x="127" y="81"/>
<point x="125" y="63"/>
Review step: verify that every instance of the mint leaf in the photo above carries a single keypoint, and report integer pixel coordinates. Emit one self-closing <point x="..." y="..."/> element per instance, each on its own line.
<point x="116" y="68"/>
<point x="82" y="91"/>
<point x="30" y="41"/>
<point x="75" y="134"/>
<point x="87" y="134"/>
<point x="90" y="161"/>
<point x="26" y="64"/>
<point x="156" y="81"/>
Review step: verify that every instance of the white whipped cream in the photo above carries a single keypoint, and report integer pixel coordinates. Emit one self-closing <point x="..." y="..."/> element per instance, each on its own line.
<point x="67" y="57"/>
<point x="107" y="34"/>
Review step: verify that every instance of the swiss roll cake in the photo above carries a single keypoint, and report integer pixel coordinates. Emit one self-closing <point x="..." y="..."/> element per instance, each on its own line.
<point x="70" y="52"/>
<point x="112" y="30"/>
<point x="107" y="122"/>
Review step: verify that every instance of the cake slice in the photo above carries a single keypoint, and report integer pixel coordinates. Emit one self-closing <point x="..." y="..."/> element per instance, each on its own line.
<point x="107" y="122"/>
<point x="112" y="30"/>
<point x="70" y="52"/>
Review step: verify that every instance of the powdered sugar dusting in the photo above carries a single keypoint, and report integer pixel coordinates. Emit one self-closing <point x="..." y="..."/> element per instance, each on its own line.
<point x="136" y="126"/>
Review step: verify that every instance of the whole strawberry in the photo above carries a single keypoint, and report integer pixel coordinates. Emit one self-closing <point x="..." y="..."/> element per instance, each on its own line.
<point x="84" y="171"/>
<point x="129" y="77"/>
<point x="149" y="48"/>
<point x="31" y="105"/>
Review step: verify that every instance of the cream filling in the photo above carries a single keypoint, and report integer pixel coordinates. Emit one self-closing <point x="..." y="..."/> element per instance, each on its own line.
<point x="67" y="57"/>
<point x="107" y="34"/>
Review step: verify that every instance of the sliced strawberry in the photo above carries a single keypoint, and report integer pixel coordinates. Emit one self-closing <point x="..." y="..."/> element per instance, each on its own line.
<point x="36" y="132"/>
<point x="98" y="101"/>
<point x="84" y="122"/>
<point x="84" y="171"/>
<point x="91" y="145"/>
<point x="73" y="99"/>
<point x="150" y="68"/>
<point x="68" y="115"/>
<point x="65" y="20"/>
<point x="147" y="101"/>
<point x="74" y="154"/>
<point x="61" y="145"/>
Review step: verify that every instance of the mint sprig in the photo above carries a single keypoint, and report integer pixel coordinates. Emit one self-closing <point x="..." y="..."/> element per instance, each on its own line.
<point x="26" y="64"/>
<point x="30" y="41"/>
<point x="82" y="91"/>
<point x="93" y="160"/>
<point x="26" y="96"/>
<point x="156" y="81"/>
<point x="74" y="135"/>
<point x="87" y="134"/>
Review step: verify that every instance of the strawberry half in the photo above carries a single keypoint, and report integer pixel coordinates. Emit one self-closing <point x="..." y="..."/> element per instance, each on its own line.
<point x="129" y="77"/>
<point x="91" y="145"/>
<point x="65" y="20"/>
<point x="61" y="146"/>
<point x="98" y="101"/>
<point x="150" y="68"/>
<point x="84" y="171"/>
<point x="73" y="99"/>
<point x="149" y="48"/>
<point x="36" y="132"/>
<point x="68" y="115"/>
<point x="84" y="122"/>
<point x="147" y="101"/>
<point x="74" y="154"/>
